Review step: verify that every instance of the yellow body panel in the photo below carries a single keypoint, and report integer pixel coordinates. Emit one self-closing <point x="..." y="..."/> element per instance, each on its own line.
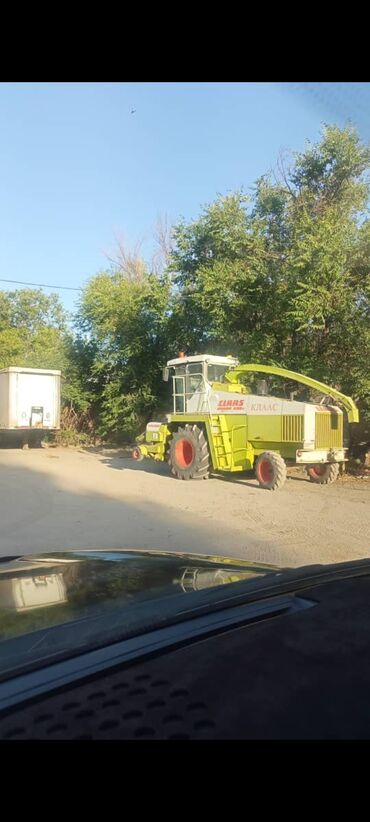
<point x="328" y="429"/>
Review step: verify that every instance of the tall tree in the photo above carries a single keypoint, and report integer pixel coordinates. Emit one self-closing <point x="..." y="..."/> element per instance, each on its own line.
<point x="284" y="278"/>
<point x="122" y="321"/>
<point x="33" y="327"/>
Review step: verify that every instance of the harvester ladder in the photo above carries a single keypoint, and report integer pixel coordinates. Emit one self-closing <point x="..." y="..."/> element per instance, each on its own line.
<point x="221" y="441"/>
<point x="188" y="578"/>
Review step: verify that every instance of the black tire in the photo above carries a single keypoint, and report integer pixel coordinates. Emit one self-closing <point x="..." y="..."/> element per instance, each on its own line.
<point x="35" y="440"/>
<point x="188" y="454"/>
<point x="270" y="470"/>
<point x="324" y="473"/>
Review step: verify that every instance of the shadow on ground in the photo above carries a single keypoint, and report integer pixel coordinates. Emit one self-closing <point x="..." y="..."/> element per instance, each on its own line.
<point x="161" y="468"/>
<point x="121" y="462"/>
<point x="41" y="512"/>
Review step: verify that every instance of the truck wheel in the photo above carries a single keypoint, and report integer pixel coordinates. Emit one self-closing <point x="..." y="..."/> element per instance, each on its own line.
<point x="270" y="470"/>
<point x="35" y="443"/>
<point x="188" y="455"/>
<point x="323" y="473"/>
<point x="34" y="440"/>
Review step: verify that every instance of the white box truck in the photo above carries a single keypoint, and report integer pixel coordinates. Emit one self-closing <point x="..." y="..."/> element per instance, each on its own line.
<point x="29" y="404"/>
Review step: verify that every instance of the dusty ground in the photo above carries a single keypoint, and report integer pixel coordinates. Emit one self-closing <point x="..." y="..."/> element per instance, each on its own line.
<point x="57" y="499"/>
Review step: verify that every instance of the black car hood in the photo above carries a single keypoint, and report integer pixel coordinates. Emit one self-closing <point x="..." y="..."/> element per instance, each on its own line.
<point x="71" y="600"/>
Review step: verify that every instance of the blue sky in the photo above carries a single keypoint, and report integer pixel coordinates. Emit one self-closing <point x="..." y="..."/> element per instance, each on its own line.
<point x="77" y="168"/>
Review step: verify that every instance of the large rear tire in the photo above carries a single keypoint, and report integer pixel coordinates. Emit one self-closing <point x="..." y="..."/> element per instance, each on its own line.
<point x="188" y="454"/>
<point x="270" y="470"/>
<point x="324" y="473"/>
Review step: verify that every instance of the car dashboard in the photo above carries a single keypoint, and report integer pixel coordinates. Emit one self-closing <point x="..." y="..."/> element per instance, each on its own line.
<point x="293" y="665"/>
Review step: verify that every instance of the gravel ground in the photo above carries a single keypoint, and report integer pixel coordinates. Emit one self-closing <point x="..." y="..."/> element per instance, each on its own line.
<point x="58" y="499"/>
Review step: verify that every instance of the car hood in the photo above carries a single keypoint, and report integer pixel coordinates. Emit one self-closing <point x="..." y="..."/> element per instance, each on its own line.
<point x="76" y="598"/>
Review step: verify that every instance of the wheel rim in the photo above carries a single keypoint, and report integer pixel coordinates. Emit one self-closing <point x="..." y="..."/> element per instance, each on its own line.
<point x="265" y="471"/>
<point x="184" y="453"/>
<point x="317" y="470"/>
<point x="136" y="454"/>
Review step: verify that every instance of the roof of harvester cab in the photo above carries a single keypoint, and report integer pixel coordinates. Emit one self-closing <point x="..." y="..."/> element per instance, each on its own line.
<point x="212" y="358"/>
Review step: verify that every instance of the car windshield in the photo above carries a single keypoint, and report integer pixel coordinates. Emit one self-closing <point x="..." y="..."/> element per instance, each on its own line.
<point x="184" y="231"/>
<point x="51" y="606"/>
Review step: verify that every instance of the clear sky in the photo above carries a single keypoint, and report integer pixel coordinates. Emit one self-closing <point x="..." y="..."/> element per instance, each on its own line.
<point x="78" y="168"/>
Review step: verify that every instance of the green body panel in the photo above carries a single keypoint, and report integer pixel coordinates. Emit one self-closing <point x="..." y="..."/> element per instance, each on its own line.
<point x="264" y="428"/>
<point x="235" y="388"/>
<point x="328" y="430"/>
<point x="154" y="450"/>
<point x="154" y="443"/>
<point x="286" y="450"/>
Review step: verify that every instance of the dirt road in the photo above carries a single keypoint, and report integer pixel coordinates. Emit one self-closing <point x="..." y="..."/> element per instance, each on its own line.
<point x="58" y="499"/>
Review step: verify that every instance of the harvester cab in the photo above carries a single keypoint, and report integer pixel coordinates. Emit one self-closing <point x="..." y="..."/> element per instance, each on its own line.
<point x="193" y="379"/>
<point x="224" y="418"/>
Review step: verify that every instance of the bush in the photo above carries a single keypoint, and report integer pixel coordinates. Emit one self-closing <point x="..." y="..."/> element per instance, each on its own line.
<point x="69" y="436"/>
<point x="75" y="428"/>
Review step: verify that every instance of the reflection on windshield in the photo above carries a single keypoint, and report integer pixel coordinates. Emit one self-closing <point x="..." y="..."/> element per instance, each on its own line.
<point x="196" y="579"/>
<point x="26" y="593"/>
<point x="85" y="584"/>
<point x="84" y="599"/>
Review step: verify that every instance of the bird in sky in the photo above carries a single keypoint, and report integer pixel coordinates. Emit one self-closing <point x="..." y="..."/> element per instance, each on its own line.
<point x="133" y="110"/>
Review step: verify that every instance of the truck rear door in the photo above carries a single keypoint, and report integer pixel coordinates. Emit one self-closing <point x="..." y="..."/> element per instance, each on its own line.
<point x="35" y="400"/>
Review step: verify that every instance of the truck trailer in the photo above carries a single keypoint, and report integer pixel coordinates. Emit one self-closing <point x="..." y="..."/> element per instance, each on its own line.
<point x="29" y="404"/>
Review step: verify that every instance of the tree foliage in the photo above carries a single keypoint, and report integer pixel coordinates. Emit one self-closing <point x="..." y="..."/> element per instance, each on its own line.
<point x="287" y="280"/>
<point x="124" y="322"/>
<point x="34" y="333"/>
<point x="33" y="329"/>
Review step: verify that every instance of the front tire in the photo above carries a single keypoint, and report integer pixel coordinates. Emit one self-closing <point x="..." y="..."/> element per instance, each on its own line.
<point x="324" y="473"/>
<point x="188" y="454"/>
<point x="270" y="470"/>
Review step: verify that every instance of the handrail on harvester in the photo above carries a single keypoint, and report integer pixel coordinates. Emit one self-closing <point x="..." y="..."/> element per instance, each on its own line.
<point x="352" y="411"/>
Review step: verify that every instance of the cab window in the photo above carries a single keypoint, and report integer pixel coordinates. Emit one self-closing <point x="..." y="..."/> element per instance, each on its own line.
<point x="216" y="373"/>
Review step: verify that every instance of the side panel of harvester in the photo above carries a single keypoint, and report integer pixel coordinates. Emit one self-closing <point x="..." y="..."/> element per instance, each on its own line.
<point x="250" y="425"/>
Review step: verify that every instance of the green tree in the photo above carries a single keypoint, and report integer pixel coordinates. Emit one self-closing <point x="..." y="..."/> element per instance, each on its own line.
<point x="122" y="325"/>
<point x="34" y="333"/>
<point x="33" y="327"/>
<point x="285" y="277"/>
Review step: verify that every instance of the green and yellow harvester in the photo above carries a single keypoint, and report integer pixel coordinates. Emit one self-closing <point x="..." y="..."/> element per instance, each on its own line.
<point x="218" y="424"/>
